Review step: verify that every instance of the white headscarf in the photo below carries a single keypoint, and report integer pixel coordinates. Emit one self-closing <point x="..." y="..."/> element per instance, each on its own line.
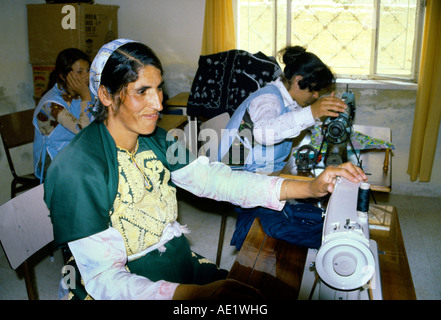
<point x="100" y="61"/>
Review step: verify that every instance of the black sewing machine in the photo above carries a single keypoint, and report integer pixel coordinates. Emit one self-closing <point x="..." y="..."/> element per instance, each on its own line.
<point x="336" y="132"/>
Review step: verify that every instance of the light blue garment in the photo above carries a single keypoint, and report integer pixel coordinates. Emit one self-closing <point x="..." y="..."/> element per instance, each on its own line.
<point x="54" y="142"/>
<point x="260" y="158"/>
<point x="99" y="62"/>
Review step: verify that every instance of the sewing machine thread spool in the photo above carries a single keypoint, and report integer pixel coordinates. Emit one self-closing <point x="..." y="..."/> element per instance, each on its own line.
<point x="363" y="197"/>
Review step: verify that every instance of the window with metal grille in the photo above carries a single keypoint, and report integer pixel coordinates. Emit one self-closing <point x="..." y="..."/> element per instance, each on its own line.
<point x="358" y="39"/>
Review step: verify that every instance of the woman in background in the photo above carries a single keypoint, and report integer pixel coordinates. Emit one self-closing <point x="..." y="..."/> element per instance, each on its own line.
<point x="281" y="110"/>
<point x="261" y="131"/>
<point x="63" y="110"/>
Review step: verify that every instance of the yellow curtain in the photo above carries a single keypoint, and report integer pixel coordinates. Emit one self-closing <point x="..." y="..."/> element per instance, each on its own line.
<point x="218" y="33"/>
<point x="428" y="104"/>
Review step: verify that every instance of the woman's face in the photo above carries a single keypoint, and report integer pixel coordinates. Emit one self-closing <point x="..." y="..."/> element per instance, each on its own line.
<point x="140" y="104"/>
<point x="81" y="69"/>
<point x="303" y="97"/>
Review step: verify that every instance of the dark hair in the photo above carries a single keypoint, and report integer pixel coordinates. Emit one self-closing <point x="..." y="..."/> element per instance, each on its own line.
<point x="316" y="75"/>
<point x="63" y="65"/>
<point x="122" y="68"/>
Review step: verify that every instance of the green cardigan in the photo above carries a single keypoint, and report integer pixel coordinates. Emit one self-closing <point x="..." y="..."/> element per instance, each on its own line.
<point x="82" y="181"/>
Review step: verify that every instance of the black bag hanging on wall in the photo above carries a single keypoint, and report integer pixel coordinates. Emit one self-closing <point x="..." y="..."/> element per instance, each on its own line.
<point x="225" y="79"/>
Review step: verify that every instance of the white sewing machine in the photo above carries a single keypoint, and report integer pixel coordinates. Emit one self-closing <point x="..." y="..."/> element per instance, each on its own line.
<point x="345" y="267"/>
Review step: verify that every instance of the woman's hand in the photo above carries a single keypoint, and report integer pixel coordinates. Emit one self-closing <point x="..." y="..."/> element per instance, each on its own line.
<point x="78" y="86"/>
<point x="328" y="107"/>
<point x="325" y="182"/>
<point x="222" y="289"/>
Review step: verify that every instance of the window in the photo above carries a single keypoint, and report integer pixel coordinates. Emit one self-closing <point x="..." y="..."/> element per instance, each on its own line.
<point x="358" y="39"/>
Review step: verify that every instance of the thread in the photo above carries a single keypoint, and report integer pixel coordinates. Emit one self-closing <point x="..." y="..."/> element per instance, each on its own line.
<point x="363" y="197"/>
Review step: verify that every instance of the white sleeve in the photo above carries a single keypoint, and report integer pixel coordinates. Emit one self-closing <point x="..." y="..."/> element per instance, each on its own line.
<point x="217" y="181"/>
<point x="68" y="120"/>
<point x="265" y="112"/>
<point x="101" y="260"/>
<point x="84" y="118"/>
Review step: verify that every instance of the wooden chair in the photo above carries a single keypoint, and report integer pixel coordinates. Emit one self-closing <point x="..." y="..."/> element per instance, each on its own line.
<point x="25" y="228"/>
<point x="215" y="125"/>
<point x="17" y="129"/>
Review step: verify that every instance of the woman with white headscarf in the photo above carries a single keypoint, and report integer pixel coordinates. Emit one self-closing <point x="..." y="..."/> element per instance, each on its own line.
<point x="112" y="191"/>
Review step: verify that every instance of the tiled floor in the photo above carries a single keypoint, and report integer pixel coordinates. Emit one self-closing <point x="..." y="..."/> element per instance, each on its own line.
<point x="420" y="220"/>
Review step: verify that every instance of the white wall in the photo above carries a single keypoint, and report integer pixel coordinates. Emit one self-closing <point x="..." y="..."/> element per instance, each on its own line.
<point x="393" y="106"/>
<point x="173" y="29"/>
<point x="16" y="73"/>
<point x="16" y="88"/>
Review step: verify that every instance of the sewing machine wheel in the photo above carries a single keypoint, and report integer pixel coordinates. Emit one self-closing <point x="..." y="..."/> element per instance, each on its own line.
<point x="345" y="264"/>
<point x="306" y="156"/>
<point x="337" y="130"/>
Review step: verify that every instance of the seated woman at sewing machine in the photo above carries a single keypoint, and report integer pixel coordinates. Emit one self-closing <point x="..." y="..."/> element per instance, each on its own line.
<point x="281" y="110"/>
<point x="112" y="191"/>
<point x="266" y="123"/>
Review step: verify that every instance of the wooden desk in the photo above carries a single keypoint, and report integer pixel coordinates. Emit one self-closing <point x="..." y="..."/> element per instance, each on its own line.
<point x="373" y="161"/>
<point x="179" y="100"/>
<point x="275" y="267"/>
<point x="171" y="121"/>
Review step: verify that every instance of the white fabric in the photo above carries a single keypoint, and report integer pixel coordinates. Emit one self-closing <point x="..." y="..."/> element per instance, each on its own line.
<point x="171" y="231"/>
<point x="100" y="61"/>
<point x="217" y="181"/>
<point x="101" y="259"/>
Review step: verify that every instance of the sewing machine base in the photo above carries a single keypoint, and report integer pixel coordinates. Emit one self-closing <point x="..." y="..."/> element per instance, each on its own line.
<point x="313" y="288"/>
